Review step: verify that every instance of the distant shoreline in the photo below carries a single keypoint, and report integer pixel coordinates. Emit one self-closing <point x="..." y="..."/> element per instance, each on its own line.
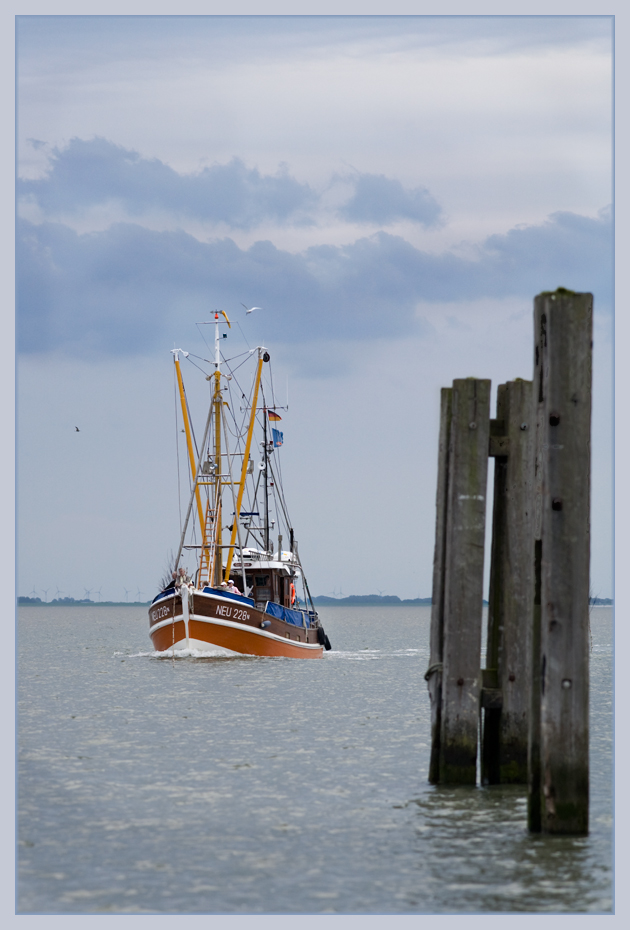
<point x="368" y="600"/>
<point x="322" y="600"/>
<point x="373" y="600"/>
<point x="71" y="602"/>
<point x="391" y="600"/>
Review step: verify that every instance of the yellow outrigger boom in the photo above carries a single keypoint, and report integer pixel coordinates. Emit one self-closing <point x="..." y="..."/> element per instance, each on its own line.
<point x="248" y="444"/>
<point x="191" y="454"/>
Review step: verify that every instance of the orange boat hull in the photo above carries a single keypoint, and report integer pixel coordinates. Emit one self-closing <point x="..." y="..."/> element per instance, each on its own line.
<point x="283" y="640"/>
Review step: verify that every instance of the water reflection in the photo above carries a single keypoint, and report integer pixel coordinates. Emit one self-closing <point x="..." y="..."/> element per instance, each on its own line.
<point x="479" y="839"/>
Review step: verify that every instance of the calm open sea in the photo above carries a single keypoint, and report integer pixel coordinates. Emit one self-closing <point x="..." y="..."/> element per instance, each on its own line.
<point x="247" y="785"/>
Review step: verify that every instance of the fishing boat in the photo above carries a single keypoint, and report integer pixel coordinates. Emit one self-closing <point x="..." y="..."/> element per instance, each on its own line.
<point x="245" y="593"/>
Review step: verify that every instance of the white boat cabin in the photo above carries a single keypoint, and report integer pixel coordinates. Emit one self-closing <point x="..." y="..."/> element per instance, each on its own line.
<point x="269" y="577"/>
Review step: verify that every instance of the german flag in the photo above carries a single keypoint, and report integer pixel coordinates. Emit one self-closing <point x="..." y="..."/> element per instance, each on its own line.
<point x="273" y="415"/>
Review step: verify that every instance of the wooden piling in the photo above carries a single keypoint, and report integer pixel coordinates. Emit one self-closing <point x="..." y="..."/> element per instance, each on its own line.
<point x="505" y="731"/>
<point x="434" y="673"/>
<point x="533" y="741"/>
<point x="564" y="640"/>
<point x="539" y="392"/>
<point x="463" y="579"/>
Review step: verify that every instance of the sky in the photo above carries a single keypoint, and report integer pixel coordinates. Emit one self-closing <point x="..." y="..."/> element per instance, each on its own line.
<point x="393" y="191"/>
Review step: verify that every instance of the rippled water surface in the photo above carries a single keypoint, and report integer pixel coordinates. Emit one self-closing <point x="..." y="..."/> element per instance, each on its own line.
<point x="251" y="785"/>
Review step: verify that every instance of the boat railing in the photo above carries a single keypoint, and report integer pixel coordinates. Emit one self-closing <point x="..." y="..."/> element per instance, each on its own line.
<point x="166" y="593"/>
<point x="296" y="617"/>
<point x="220" y="592"/>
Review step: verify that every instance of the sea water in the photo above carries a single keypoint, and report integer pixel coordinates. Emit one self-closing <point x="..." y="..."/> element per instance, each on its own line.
<point x="246" y="785"/>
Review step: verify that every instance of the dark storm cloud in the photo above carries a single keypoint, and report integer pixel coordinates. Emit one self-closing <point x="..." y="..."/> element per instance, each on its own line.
<point x="382" y="200"/>
<point x="86" y="173"/>
<point x="129" y="289"/>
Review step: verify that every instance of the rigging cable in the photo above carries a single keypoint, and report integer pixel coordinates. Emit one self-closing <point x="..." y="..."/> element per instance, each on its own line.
<point x="279" y="480"/>
<point x="203" y="337"/>
<point x="282" y="505"/>
<point x="242" y="333"/>
<point x="253" y="503"/>
<point x="192" y="429"/>
<point x="179" y="486"/>
<point x="188" y="356"/>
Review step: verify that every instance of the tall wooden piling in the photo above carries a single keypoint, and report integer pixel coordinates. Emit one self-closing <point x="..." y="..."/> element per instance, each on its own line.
<point x="505" y="731"/>
<point x="434" y="673"/>
<point x="463" y="579"/>
<point x="541" y="372"/>
<point x="534" y="690"/>
<point x="564" y="639"/>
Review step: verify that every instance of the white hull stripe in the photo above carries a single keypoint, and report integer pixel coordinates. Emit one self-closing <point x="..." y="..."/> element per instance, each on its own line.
<point x="238" y="626"/>
<point x="206" y="597"/>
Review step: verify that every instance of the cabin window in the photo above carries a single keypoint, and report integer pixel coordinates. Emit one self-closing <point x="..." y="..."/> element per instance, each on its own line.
<point x="261" y="580"/>
<point x="263" y="594"/>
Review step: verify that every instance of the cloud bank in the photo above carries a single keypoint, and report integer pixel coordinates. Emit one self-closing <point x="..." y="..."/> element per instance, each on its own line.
<point x="129" y="289"/>
<point x="87" y="173"/>
<point x="95" y="172"/>
<point x="382" y="200"/>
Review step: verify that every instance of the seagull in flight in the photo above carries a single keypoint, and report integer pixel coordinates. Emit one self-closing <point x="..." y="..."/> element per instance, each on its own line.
<point x="77" y="429"/>
<point x="250" y="309"/>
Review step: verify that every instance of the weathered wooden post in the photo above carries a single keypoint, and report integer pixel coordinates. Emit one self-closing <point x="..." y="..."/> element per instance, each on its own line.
<point x="505" y="697"/>
<point x="538" y="415"/>
<point x="463" y="580"/>
<point x="534" y="691"/>
<point x="567" y="319"/>
<point x="434" y="673"/>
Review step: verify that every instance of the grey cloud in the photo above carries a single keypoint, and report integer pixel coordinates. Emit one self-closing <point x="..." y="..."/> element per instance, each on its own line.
<point x="93" y="172"/>
<point x="96" y="171"/>
<point x="129" y="289"/>
<point x="382" y="200"/>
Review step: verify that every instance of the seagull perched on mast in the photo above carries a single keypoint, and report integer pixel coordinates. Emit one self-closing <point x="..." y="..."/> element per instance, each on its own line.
<point x="251" y="309"/>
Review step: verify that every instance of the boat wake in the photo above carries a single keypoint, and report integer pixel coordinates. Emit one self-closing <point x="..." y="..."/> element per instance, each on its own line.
<point x="370" y="655"/>
<point x="190" y="654"/>
<point x="364" y="655"/>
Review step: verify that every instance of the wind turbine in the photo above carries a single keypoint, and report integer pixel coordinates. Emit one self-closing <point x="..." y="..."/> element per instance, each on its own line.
<point x="58" y="591"/>
<point x="45" y="590"/>
<point x="34" y="592"/>
<point x="99" y="592"/>
<point x="126" y="590"/>
<point x="88" y="591"/>
<point x="139" y="594"/>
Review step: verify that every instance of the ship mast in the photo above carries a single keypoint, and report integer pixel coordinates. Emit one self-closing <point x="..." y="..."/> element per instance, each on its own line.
<point x="266" y="477"/>
<point x="211" y="548"/>
<point x="217" y="403"/>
